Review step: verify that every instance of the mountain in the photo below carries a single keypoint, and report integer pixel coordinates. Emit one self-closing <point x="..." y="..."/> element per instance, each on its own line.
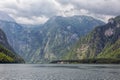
<point x="18" y="36"/>
<point x="5" y="17"/>
<point x="42" y="43"/>
<point x="7" y="54"/>
<point x="59" y="33"/>
<point x="24" y="40"/>
<point x="102" y="42"/>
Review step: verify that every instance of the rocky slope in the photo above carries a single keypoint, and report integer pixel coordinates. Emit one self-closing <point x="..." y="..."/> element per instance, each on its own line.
<point x="62" y="32"/>
<point x="48" y="41"/>
<point x="7" y="54"/>
<point x="102" y="42"/>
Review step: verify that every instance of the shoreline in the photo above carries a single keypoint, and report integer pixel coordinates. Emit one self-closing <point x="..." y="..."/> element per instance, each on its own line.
<point x="87" y="61"/>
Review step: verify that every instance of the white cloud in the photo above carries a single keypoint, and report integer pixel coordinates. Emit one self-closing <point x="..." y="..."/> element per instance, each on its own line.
<point x="38" y="11"/>
<point x="108" y="7"/>
<point x="32" y="20"/>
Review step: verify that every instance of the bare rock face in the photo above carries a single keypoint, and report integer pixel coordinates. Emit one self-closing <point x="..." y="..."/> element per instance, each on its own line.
<point x="102" y="42"/>
<point x="118" y="25"/>
<point x="109" y="32"/>
<point x="50" y="40"/>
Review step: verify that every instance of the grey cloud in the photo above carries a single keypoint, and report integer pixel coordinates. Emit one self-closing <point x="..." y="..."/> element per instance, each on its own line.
<point x="18" y="1"/>
<point x="48" y="8"/>
<point x="106" y="7"/>
<point x="38" y="9"/>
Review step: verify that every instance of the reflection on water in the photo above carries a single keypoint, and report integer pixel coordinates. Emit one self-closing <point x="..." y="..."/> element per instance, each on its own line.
<point x="59" y="72"/>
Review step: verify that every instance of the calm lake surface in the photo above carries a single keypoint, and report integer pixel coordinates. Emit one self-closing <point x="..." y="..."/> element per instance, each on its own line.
<point x="59" y="72"/>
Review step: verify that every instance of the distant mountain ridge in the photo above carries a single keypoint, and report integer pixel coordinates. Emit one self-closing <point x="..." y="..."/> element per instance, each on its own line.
<point x="102" y="42"/>
<point x="48" y="41"/>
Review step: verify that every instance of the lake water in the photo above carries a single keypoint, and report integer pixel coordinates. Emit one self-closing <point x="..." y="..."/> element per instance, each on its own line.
<point x="59" y="72"/>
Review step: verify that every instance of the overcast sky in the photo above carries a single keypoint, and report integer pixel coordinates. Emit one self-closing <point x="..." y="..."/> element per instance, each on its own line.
<point x="38" y="11"/>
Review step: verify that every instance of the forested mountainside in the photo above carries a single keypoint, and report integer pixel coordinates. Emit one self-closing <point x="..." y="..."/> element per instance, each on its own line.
<point x="49" y="41"/>
<point x="59" y="33"/>
<point x="7" y="54"/>
<point x="102" y="42"/>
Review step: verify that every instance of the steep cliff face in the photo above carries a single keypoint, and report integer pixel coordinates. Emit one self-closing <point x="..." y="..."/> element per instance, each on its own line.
<point x="24" y="40"/>
<point x="48" y="41"/>
<point x="102" y="42"/>
<point x="7" y="54"/>
<point x="59" y="33"/>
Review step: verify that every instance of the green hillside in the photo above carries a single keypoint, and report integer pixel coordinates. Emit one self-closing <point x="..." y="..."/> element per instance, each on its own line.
<point x="102" y="42"/>
<point x="7" y="54"/>
<point x="50" y="41"/>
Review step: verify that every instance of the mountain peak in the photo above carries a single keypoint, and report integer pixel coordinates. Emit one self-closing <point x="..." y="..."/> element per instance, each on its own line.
<point x="102" y="42"/>
<point x="5" y="17"/>
<point x="114" y="20"/>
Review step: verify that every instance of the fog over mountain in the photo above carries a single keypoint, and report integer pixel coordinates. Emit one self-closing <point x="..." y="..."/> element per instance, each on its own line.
<point x="5" y="17"/>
